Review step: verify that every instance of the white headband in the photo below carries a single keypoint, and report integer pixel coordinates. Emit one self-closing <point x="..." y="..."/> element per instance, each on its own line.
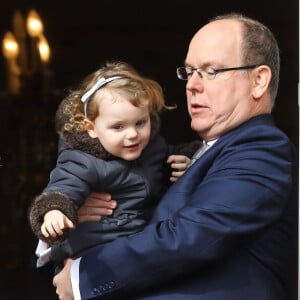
<point x="100" y="82"/>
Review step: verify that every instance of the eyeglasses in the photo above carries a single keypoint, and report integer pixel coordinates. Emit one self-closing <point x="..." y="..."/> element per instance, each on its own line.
<point x="184" y="73"/>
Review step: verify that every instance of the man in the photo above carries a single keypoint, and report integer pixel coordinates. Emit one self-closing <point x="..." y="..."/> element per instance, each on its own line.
<point x="227" y="228"/>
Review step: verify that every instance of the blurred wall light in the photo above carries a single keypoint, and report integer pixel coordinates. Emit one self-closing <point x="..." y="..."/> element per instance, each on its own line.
<point x="26" y="51"/>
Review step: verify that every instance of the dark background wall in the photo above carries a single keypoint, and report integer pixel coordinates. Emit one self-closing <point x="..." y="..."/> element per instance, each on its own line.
<point x="151" y="35"/>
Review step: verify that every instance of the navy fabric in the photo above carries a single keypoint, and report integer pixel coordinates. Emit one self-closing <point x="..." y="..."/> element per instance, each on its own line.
<point x="226" y="230"/>
<point x="136" y="185"/>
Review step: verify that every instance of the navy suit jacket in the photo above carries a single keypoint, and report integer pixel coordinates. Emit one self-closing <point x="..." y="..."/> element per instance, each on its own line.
<point x="226" y="230"/>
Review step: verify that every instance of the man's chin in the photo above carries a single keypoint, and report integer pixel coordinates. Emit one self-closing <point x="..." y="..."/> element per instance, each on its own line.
<point x="197" y="125"/>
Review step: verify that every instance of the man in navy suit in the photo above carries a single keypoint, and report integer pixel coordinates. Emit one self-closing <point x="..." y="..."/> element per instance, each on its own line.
<point x="227" y="229"/>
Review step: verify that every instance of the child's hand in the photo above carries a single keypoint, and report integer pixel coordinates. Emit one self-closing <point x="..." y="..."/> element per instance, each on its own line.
<point x="54" y="223"/>
<point x="179" y="164"/>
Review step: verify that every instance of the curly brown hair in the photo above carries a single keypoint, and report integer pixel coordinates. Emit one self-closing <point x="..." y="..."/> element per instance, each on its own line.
<point x="139" y="90"/>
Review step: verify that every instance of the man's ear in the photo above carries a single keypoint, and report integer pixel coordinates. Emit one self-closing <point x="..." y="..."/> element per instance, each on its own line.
<point x="261" y="81"/>
<point x="90" y="128"/>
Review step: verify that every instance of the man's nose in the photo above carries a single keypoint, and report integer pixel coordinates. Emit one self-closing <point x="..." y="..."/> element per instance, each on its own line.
<point x="194" y="82"/>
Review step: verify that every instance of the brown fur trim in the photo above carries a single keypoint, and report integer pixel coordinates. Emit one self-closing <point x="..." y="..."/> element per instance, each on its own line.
<point x="76" y="139"/>
<point x="49" y="201"/>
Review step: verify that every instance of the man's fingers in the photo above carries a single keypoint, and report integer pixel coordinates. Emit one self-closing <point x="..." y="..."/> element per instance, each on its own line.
<point x="100" y="196"/>
<point x="86" y="214"/>
<point x="94" y="211"/>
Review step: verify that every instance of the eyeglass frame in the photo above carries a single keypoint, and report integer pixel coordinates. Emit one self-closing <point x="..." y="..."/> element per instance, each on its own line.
<point x="216" y="71"/>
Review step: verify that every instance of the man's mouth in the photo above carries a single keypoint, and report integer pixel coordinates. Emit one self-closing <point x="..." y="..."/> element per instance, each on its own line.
<point x="196" y="108"/>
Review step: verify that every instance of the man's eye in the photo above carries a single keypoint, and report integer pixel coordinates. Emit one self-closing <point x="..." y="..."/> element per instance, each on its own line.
<point x="210" y="71"/>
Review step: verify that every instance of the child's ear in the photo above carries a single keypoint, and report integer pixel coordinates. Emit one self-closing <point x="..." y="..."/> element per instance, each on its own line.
<point x="90" y="128"/>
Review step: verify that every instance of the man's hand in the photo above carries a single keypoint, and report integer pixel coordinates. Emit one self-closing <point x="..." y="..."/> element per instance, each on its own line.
<point x="96" y="206"/>
<point x="62" y="282"/>
<point x="179" y="164"/>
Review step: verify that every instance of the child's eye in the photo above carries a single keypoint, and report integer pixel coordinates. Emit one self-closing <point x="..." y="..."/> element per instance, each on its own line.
<point x="141" y="123"/>
<point x="117" y="127"/>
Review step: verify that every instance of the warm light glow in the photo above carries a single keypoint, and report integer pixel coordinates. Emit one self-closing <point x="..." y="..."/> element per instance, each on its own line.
<point x="44" y="49"/>
<point x="10" y="47"/>
<point x="34" y="24"/>
<point x="19" y="25"/>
